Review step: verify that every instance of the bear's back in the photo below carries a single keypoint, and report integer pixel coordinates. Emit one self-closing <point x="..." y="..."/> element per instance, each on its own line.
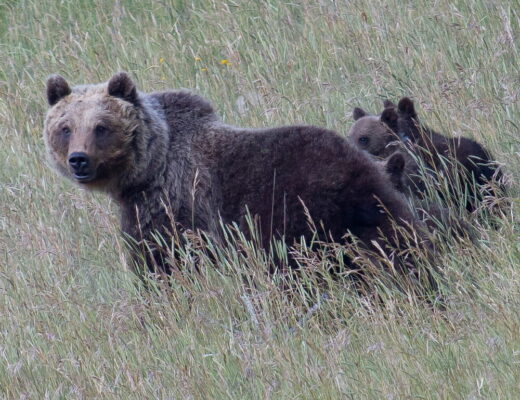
<point x="282" y="173"/>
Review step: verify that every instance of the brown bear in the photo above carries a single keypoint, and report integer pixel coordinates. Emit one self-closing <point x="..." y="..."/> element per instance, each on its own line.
<point x="467" y="166"/>
<point x="376" y="134"/>
<point x="171" y="164"/>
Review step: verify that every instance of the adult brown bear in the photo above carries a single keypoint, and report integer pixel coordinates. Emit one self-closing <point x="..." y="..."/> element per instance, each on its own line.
<point x="171" y="164"/>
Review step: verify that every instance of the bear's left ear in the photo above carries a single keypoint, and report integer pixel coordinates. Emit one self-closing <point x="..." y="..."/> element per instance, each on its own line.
<point x="122" y="86"/>
<point x="389" y="117"/>
<point x="358" y="113"/>
<point x="57" y="88"/>
<point x="406" y="107"/>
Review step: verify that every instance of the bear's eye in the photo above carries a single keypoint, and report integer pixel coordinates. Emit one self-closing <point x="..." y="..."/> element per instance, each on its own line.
<point x="100" y="130"/>
<point x="363" y="140"/>
<point x="65" y="131"/>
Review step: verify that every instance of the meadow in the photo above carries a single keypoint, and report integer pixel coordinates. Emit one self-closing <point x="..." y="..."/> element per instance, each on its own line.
<point x="76" y="324"/>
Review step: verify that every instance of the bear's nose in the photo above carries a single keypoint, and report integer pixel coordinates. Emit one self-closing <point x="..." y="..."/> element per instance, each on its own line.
<point x="80" y="163"/>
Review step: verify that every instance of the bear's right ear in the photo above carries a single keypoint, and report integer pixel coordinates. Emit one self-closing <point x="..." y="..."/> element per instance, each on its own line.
<point x="358" y="113"/>
<point x="57" y="89"/>
<point x="406" y="107"/>
<point x="122" y="86"/>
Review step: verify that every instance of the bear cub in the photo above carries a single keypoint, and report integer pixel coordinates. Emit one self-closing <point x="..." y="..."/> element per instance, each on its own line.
<point x="464" y="162"/>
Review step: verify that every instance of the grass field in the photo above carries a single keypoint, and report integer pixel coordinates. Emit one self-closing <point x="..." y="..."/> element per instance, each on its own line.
<point x="73" y="321"/>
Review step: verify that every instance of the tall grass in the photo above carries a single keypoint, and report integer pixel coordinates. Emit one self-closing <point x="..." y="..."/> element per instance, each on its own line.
<point x="74" y="323"/>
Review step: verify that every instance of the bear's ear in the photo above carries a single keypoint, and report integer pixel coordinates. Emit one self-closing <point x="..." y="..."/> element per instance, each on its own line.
<point x="389" y="117"/>
<point x="358" y="113"/>
<point x="57" y="88"/>
<point x="122" y="86"/>
<point x="395" y="164"/>
<point x="388" y="104"/>
<point x="406" y="107"/>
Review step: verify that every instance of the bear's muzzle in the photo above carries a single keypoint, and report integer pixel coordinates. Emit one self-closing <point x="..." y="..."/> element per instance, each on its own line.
<point x="81" y="167"/>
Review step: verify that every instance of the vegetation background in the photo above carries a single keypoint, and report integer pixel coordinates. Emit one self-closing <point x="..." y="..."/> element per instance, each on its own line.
<point x="73" y="322"/>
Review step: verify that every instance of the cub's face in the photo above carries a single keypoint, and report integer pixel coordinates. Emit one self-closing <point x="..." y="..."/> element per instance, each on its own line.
<point x="374" y="133"/>
<point x="88" y="132"/>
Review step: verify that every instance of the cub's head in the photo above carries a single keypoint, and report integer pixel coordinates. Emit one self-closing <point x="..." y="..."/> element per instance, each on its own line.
<point x="89" y="129"/>
<point x="374" y="133"/>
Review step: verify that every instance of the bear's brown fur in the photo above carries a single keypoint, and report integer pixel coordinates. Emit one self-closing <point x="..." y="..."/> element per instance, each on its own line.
<point x="171" y="164"/>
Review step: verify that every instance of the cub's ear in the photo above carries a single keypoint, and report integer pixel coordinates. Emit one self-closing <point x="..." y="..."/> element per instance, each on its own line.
<point x="57" y="89"/>
<point x="389" y="117"/>
<point x="406" y="107"/>
<point x="395" y="164"/>
<point x="388" y="104"/>
<point x="358" y="113"/>
<point x="122" y="86"/>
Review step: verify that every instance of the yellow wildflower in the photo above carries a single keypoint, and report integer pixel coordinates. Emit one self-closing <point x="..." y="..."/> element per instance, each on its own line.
<point x="203" y="69"/>
<point x="161" y="60"/>
<point x="225" y="62"/>
<point x="198" y="59"/>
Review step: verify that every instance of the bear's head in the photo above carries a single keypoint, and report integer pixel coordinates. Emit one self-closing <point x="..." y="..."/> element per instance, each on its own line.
<point x="89" y="130"/>
<point x="375" y="133"/>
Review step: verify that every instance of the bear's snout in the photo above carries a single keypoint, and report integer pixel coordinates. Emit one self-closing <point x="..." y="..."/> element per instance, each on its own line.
<point x="81" y="166"/>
